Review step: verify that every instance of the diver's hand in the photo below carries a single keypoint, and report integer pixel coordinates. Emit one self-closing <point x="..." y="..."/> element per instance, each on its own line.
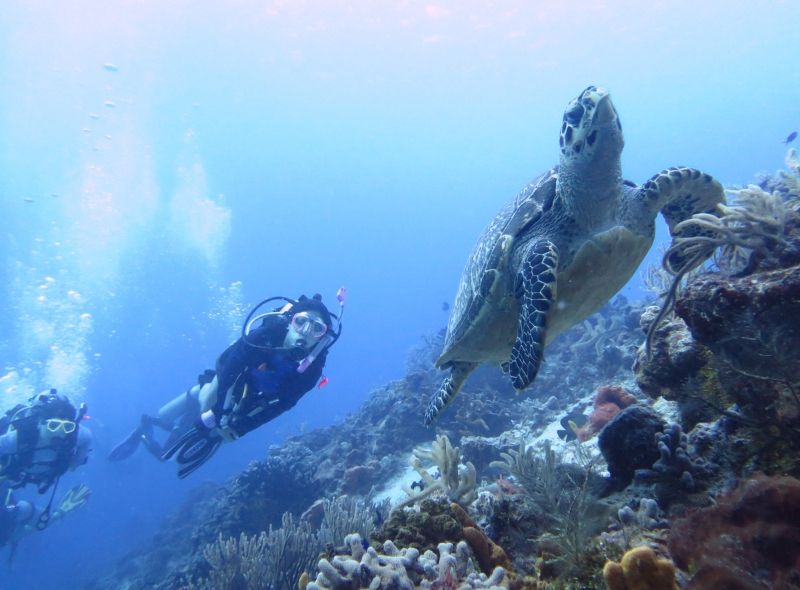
<point x="74" y="498"/>
<point x="227" y="433"/>
<point x="209" y="423"/>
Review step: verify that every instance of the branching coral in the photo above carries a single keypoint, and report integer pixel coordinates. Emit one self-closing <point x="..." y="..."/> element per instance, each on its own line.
<point x="675" y="470"/>
<point x="646" y="516"/>
<point x="562" y="496"/>
<point x="749" y="229"/>
<point x="754" y="223"/>
<point x="404" y="569"/>
<point x="456" y="482"/>
<point x="792" y="181"/>
<point x="596" y="335"/>
<point x="537" y="474"/>
<point x="273" y="560"/>
<point x="345" y="515"/>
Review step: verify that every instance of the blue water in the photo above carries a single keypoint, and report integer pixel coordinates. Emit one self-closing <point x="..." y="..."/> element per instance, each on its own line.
<point x="166" y="165"/>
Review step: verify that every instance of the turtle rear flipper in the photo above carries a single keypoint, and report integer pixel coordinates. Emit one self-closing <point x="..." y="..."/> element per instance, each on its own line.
<point x="536" y="286"/>
<point x="678" y="193"/>
<point x="448" y="390"/>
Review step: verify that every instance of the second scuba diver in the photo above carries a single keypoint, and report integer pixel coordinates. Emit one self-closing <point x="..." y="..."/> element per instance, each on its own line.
<point x="257" y="378"/>
<point x="42" y="439"/>
<point x="39" y="442"/>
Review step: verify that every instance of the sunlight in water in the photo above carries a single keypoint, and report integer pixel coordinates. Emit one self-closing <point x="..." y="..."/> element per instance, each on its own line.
<point x="197" y="220"/>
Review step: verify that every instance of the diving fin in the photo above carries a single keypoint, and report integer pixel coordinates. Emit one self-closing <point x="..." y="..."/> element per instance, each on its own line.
<point x="127" y="447"/>
<point x="190" y="465"/>
<point x="193" y="449"/>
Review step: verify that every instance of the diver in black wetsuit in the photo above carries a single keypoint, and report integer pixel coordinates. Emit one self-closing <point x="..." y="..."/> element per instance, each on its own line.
<point x="258" y="377"/>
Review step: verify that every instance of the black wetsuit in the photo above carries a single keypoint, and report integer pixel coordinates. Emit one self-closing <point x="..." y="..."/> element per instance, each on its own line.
<point x="264" y="377"/>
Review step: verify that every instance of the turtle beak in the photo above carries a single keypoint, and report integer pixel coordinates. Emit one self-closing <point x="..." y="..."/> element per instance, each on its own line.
<point x="604" y="111"/>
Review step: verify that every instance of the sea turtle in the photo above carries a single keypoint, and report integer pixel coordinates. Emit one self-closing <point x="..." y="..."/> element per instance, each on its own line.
<point x="561" y="249"/>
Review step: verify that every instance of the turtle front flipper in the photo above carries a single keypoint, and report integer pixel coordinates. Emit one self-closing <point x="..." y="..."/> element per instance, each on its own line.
<point x="535" y="290"/>
<point x="448" y="389"/>
<point x="678" y="193"/>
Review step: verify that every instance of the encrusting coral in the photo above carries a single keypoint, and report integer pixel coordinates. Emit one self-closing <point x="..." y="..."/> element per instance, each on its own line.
<point x="747" y="538"/>
<point x="640" y="569"/>
<point x="489" y="554"/>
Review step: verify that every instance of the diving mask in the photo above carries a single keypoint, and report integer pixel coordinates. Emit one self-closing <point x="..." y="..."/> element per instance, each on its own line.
<point x="307" y="325"/>
<point x="55" y="424"/>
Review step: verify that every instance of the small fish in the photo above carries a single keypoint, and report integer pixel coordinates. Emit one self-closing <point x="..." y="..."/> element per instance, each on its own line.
<point x="322" y="382"/>
<point x="109" y="67"/>
<point x="571" y="422"/>
<point x="27" y="199"/>
<point x="791" y="138"/>
<point x="445" y="306"/>
<point x="378" y="517"/>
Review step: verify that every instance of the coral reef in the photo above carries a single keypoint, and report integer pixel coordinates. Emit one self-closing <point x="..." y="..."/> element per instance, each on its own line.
<point x="405" y="569"/>
<point x="563" y="498"/>
<point x="608" y="402"/>
<point x="489" y="554"/>
<point x="456" y="482"/>
<point x="646" y="516"/>
<point x="676" y="472"/>
<point x="750" y="323"/>
<point x="721" y="379"/>
<point x="273" y="560"/>
<point x="628" y="443"/>
<point x="424" y="528"/>
<point x="640" y="569"/>
<point x="749" y="539"/>
<point x="674" y="357"/>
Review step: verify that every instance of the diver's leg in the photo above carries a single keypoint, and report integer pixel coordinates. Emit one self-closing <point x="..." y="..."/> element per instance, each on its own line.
<point x="208" y="395"/>
<point x="130" y="443"/>
<point x="175" y="410"/>
<point x="177" y="416"/>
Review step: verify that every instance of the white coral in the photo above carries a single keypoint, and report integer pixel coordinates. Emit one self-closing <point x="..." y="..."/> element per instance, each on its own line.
<point x="458" y="482"/>
<point x="391" y="569"/>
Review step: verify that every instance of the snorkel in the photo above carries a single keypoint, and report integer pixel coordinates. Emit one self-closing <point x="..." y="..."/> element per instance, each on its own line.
<point x="328" y="339"/>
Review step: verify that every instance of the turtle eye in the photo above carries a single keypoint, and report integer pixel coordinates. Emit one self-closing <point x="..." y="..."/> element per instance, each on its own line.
<point x="574" y="114"/>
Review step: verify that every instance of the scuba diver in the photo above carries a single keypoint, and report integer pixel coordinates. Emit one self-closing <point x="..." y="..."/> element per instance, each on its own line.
<point x="20" y="517"/>
<point x="257" y="378"/>
<point x="41" y="440"/>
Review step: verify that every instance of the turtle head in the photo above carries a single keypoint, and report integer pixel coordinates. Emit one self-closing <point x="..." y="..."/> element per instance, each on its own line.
<point x="590" y="130"/>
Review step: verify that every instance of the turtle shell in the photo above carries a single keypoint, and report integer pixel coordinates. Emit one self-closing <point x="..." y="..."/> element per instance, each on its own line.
<point x="483" y="321"/>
